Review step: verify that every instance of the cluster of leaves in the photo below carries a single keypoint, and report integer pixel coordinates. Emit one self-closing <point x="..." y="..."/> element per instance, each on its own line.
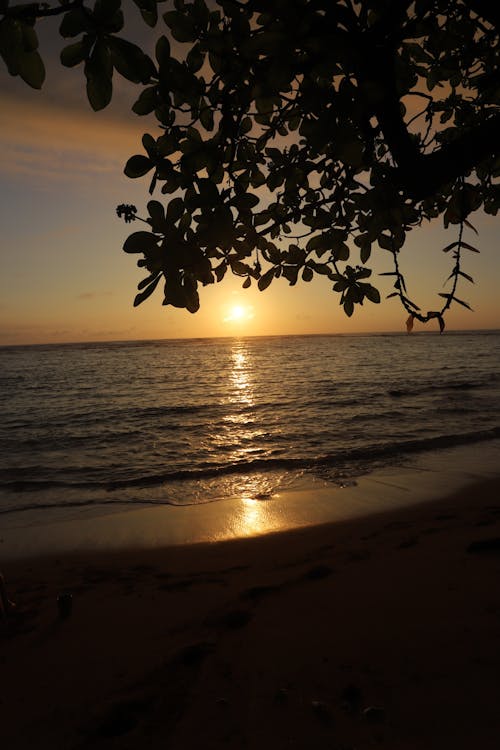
<point x="290" y="138"/>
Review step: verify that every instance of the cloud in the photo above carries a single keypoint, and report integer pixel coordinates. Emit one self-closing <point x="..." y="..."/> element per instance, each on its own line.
<point x="44" y="141"/>
<point x="93" y="295"/>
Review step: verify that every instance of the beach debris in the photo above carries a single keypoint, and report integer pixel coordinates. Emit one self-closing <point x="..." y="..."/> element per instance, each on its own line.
<point x="255" y="593"/>
<point x="7" y="607"/>
<point x="121" y="718"/>
<point x="318" y="572"/>
<point x="281" y="695"/>
<point x="233" y="620"/>
<point x="410" y="541"/>
<point x="194" y="654"/>
<point x="351" y="698"/>
<point x="322" y="711"/>
<point x="64" y="605"/>
<point x="374" y="714"/>
<point x="485" y="545"/>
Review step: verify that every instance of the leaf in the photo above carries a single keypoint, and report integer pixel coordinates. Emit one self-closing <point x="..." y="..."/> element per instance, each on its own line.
<point x="371" y="293"/>
<point x="146" y="102"/>
<point x="75" y="53"/>
<point x="140" y="242"/>
<point x="162" y="51"/>
<point x="149" y="11"/>
<point x="385" y="242"/>
<point x="32" y="69"/>
<point x="348" y="307"/>
<point x="408" y="302"/>
<point x="239" y="268"/>
<point x="468" y="224"/>
<point x="409" y="323"/>
<point x="182" y="28"/>
<point x="266" y="279"/>
<point x="175" y="209"/>
<point x="307" y="274"/>
<point x="247" y="282"/>
<point x="138" y="166"/>
<point x="207" y="118"/>
<point x="130" y="61"/>
<point x="157" y="214"/>
<point x="365" y="252"/>
<point x="74" y="22"/>
<point x="466" y="276"/>
<point x="147" y="292"/>
<point x="98" y="71"/>
<point x="469" y="247"/>
<point x="220" y="270"/>
<point x="291" y="274"/>
<point x="464" y="304"/>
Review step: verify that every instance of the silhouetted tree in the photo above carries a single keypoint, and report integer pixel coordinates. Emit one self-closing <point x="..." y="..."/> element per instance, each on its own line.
<point x="293" y="134"/>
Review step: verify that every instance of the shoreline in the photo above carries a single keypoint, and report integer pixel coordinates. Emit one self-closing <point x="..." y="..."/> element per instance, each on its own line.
<point x="429" y="477"/>
<point x="378" y="629"/>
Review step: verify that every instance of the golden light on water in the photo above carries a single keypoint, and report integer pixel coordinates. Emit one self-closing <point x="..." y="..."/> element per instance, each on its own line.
<point x="240" y="376"/>
<point x="253" y="517"/>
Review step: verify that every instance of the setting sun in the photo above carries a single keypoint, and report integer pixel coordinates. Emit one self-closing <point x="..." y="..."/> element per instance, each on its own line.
<point x="239" y="314"/>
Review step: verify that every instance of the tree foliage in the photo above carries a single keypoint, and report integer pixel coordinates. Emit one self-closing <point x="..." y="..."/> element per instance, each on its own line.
<point x="294" y="136"/>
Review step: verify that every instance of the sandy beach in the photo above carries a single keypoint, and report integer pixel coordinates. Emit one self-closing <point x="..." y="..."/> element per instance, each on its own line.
<point x="374" y="631"/>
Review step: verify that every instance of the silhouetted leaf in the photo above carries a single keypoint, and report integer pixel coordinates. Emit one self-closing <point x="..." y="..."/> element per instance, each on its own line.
<point x="175" y="209"/>
<point x="461" y="302"/>
<point x="98" y="71"/>
<point x="147" y="292"/>
<point x="466" y="276"/>
<point x="138" y="166"/>
<point x="266" y="279"/>
<point x="140" y="242"/>
<point x="468" y="224"/>
<point x="75" y="22"/>
<point x="157" y="215"/>
<point x="130" y="61"/>
<point x="75" y="53"/>
<point x="32" y="69"/>
<point x="469" y="247"/>
<point x="181" y="26"/>
<point x="307" y="274"/>
<point x="371" y="293"/>
<point x="149" y="11"/>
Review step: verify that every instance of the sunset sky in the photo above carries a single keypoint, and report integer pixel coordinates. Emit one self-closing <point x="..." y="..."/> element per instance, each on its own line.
<point x="64" y="276"/>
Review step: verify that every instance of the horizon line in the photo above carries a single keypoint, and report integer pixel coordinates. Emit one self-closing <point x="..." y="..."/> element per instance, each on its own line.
<point x="251" y="336"/>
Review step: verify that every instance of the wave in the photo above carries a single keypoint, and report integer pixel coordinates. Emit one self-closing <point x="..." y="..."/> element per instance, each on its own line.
<point x="347" y="459"/>
<point x="432" y="387"/>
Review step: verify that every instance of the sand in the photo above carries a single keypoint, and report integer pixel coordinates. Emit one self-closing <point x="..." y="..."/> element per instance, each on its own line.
<point x="379" y="631"/>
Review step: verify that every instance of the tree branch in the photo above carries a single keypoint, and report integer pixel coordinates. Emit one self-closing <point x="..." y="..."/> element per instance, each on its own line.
<point x="36" y="10"/>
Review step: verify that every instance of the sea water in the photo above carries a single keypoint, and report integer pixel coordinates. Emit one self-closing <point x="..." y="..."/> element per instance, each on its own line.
<point x="181" y="422"/>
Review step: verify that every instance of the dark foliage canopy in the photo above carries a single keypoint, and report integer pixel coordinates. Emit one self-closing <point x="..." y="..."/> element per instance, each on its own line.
<point x="294" y="136"/>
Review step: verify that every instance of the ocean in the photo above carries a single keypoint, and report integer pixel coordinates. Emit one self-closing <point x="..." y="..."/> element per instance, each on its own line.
<point x="181" y="422"/>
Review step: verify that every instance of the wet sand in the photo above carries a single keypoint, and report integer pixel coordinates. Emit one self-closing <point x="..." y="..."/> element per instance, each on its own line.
<point x="380" y="630"/>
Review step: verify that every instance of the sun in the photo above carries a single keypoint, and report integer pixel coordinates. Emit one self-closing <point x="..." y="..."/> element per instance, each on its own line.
<point x="238" y="314"/>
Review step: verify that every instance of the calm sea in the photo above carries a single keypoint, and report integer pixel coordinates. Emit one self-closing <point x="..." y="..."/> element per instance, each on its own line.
<point x="194" y="421"/>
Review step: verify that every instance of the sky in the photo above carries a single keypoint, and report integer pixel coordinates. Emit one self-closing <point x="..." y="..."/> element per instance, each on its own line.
<point x="65" y="278"/>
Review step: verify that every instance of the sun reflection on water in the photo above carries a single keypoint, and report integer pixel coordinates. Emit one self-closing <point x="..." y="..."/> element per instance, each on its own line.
<point x="254" y="517"/>
<point x="240" y="375"/>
